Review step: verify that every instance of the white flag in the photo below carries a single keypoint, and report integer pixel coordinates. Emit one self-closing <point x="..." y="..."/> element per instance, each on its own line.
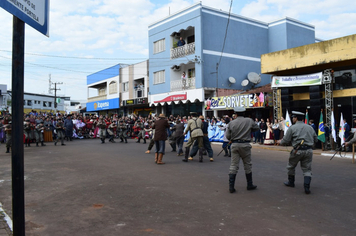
<point x="333" y="126"/>
<point x="287" y="123"/>
<point x="342" y="130"/>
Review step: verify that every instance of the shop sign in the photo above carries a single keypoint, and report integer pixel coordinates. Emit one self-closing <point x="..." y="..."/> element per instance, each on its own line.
<point x="103" y="105"/>
<point x="297" y="80"/>
<point x="239" y="100"/>
<point x="129" y="102"/>
<point x="172" y="98"/>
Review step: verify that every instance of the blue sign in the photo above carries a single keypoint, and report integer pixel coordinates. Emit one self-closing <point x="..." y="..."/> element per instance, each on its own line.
<point x="33" y="12"/>
<point x="103" y="105"/>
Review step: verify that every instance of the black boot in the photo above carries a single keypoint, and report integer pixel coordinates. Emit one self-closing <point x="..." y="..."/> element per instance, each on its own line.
<point x="28" y="143"/>
<point x="232" y="178"/>
<point x="122" y="140"/>
<point x="7" y="150"/>
<point x="144" y="140"/>
<point x="103" y="140"/>
<point x="250" y="185"/>
<point x="36" y="144"/>
<point x="229" y="149"/>
<point x="201" y="150"/>
<point x="42" y="144"/>
<point x="290" y="182"/>
<point x="307" y="180"/>
<point x="186" y="154"/>
<point x="226" y="153"/>
<point x="125" y="140"/>
<point x="138" y="141"/>
<point x="173" y="147"/>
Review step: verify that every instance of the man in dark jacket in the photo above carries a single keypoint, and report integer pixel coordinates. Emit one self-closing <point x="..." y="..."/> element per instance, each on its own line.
<point x="179" y="136"/>
<point x="68" y="125"/>
<point x="160" y="126"/>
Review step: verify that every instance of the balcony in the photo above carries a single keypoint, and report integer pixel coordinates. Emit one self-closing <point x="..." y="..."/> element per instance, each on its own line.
<point x="177" y="85"/>
<point x="183" y="51"/>
<point x="97" y="98"/>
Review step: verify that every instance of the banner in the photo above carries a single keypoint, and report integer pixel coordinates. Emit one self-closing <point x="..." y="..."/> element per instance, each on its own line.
<point x="297" y="80"/>
<point x="253" y="100"/>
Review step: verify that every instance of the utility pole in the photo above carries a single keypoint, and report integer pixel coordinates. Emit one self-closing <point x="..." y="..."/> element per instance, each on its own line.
<point x="49" y="85"/>
<point x="55" y="95"/>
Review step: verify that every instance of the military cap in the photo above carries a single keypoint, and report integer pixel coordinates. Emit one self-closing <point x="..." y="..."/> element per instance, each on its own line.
<point x="239" y="109"/>
<point x="297" y="114"/>
<point x="194" y="114"/>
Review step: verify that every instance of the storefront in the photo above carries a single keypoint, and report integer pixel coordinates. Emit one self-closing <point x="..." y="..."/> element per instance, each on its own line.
<point x="258" y="105"/>
<point x="104" y="107"/>
<point x="138" y="106"/>
<point x="335" y="57"/>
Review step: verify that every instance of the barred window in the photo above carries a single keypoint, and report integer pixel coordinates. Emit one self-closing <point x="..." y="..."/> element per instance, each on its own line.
<point x="158" y="77"/>
<point x="159" y="46"/>
<point x="112" y="87"/>
<point x="125" y="87"/>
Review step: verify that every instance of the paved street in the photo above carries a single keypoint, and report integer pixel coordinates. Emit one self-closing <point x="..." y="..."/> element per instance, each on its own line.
<point x="87" y="188"/>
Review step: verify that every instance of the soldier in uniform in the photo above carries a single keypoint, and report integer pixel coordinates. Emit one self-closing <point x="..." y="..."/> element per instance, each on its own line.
<point x="27" y="131"/>
<point x="39" y="133"/>
<point x="206" y="142"/>
<point x="122" y="131"/>
<point x="238" y="133"/>
<point x="141" y="133"/>
<point x="60" y="131"/>
<point x="102" y="129"/>
<point x="302" y="137"/>
<point x="195" y="126"/>
<point x="111" y="128"/>
<point x="8" y="136"/>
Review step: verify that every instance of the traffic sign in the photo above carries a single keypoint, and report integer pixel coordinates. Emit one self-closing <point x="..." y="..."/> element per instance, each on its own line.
<point x="33" y="12"/>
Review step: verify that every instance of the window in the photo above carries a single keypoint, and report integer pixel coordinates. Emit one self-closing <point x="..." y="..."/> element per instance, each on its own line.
<point x="125" y="87"/>
<point x="159" y="46"/>
<point x="158" y="77"/>
<point x="49" y="104"/>
<point x="29" y="102"/>
<point x="102" y="91"/>
<point x="44" y="104"/>
<point x="112" y="87"/>
<point x="191" y="73"/>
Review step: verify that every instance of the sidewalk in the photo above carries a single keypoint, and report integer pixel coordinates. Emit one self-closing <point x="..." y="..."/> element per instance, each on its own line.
<point x="4" y="227"/>
<point x="328" y="153"/>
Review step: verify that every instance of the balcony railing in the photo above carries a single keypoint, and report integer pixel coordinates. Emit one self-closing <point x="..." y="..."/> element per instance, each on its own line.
<point x="177" y="85"/>
<point x="182" y="51"/>
<point x="97" y="98"/>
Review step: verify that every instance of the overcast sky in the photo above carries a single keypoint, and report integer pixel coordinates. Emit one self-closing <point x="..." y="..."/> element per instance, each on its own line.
<point x="88" y="36"/>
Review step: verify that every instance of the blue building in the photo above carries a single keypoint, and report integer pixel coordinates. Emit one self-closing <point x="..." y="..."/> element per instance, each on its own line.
<point x="103" y="91"/>
<point x="217" y="46"/>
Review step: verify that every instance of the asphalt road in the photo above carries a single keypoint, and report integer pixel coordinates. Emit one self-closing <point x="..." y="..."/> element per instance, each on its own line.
<point x="88" y="188"/>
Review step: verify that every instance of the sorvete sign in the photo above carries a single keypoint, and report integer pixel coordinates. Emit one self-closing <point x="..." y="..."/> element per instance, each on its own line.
<point x="103" y="105"/>
<point x="33" y="12"/>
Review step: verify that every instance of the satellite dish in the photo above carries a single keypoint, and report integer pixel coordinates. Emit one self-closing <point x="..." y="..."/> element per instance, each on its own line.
<point x="232" y="80"/>
<point x="254" y="78"/>
<point x="244" y="82"/>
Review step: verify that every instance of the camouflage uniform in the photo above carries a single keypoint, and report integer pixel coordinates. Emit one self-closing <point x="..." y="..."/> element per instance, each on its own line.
<point x="39" y="134"/>
<point x="122" y="131"/>
<point x="60" y="131"/>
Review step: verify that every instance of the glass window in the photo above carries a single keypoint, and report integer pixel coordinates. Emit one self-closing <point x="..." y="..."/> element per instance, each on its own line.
<point x="49" y="104"/>
<point x="158" y="77"/>
<point x="44" y="104"/>
<point x="125" y="87"/>
<point x="29" y="103"/>
<point x="159" y="46"/>
<point x="112" y="87"/>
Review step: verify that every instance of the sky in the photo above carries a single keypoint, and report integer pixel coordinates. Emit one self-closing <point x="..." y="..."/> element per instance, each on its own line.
<point x="88" y="36"/>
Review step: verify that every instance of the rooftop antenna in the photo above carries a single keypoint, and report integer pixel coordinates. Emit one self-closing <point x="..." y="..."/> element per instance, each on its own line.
<point x="232" y="80"/>
<point x="254" y="78"/>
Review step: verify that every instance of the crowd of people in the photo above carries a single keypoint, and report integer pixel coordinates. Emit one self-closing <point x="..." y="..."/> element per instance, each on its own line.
<point x="236" y="133"/>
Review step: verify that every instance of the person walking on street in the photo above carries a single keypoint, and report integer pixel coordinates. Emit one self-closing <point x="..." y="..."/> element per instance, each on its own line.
<point x="160" y="126"/>
<point x="60" y="131"/>
<point x="195" y="126"/>
<point x="302" y="137"/>
<point x="239" y="134"/>
<point x="179" y="136"/>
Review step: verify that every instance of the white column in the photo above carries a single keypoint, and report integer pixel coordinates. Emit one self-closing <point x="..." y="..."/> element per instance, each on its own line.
<point x="215" y="113"/>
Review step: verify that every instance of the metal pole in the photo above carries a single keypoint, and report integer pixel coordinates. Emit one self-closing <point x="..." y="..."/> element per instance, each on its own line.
<point x="17" y="150"/>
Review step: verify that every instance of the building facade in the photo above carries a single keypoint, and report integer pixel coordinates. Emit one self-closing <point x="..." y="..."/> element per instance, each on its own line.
<point x="134" y="89"/>
<point x="103" y="91"/>
<point x="335" y="60"/>
<point x="217" y="46"/>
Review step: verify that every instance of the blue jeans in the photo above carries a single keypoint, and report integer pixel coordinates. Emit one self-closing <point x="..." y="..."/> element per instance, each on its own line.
<point x="160" y="146"/>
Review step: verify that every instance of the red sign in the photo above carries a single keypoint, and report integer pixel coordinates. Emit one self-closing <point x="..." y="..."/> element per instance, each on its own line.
<point x="172" y="98"/>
